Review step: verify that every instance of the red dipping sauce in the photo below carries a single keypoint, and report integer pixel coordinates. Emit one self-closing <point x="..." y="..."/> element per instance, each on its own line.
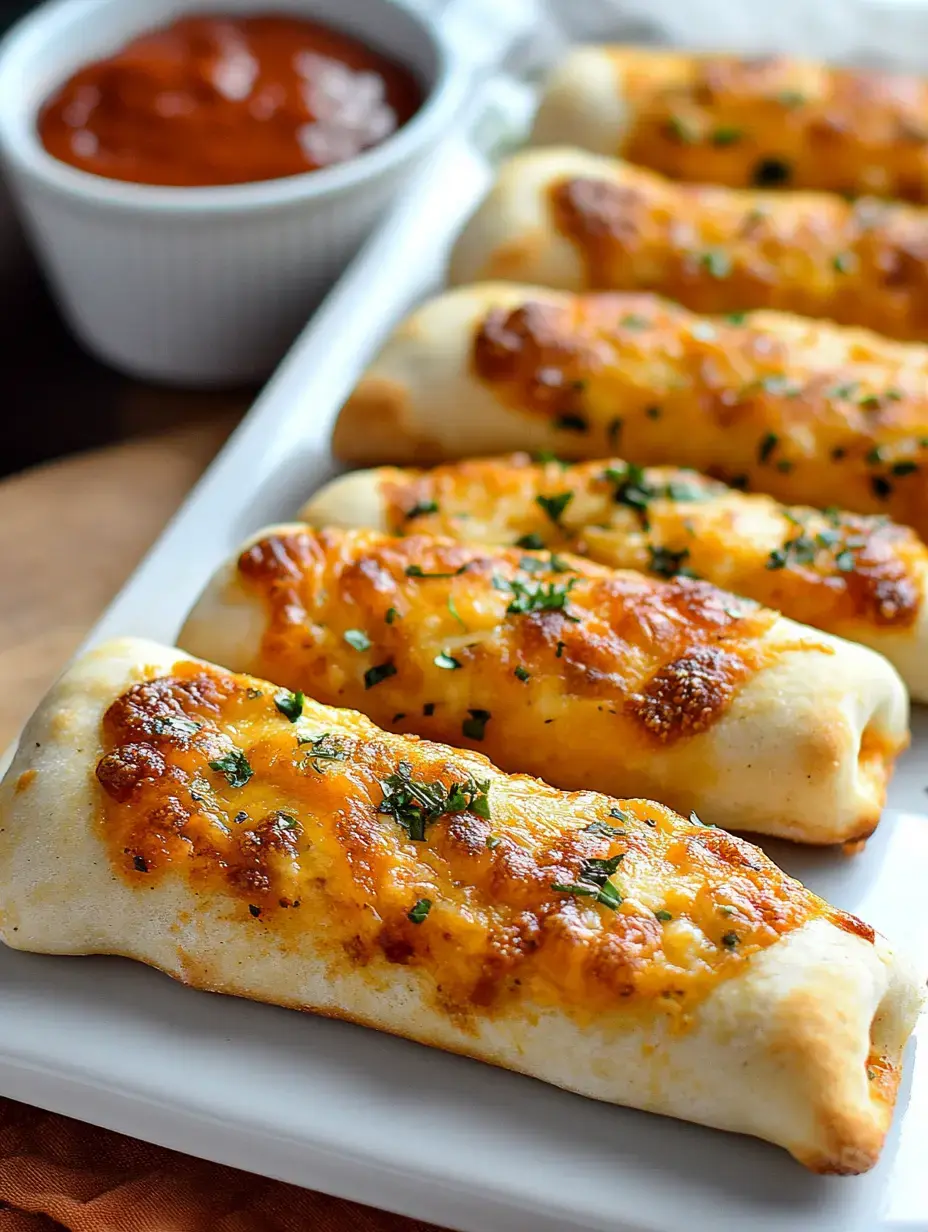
<point x="228" y="100"/>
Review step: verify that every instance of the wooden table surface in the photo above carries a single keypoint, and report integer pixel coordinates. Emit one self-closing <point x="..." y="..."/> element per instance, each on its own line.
<point x="70" y="534"/>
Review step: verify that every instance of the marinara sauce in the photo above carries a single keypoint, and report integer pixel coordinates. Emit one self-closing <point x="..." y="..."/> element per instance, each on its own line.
<point x="228" y="100"/>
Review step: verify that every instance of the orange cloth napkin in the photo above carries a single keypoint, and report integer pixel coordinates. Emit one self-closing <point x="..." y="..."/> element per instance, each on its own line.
<point x="56" y="1174"/>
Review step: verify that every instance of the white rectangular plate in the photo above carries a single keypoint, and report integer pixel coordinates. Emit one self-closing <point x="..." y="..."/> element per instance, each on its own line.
<point x="362" y="1115"/>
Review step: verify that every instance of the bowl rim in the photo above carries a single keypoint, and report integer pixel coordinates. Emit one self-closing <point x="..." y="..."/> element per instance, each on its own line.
<point x="24" y="153"/>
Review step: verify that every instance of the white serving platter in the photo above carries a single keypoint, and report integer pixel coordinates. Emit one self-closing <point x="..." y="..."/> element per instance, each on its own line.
<point x="362" y="1115"/>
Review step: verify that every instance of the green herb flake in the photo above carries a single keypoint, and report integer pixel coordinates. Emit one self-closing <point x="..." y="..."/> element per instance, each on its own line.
<point x="234" y="766"/>
<point x="844" y="391"/>
<point x="420" y="509"/>
<point x="843" y="262"/>
<point x="730" y="940"/>
<point x="766" y="447"/>
<point x="175" y="725"/>
<point x="548" y="455"/>
<point x="531" y="543"/>
<point x="428" y="709"/>
<point x="800" y="550"/>
<point x="252" y="693"/>
<point x="521" y="674"/>
<point x="376" y="675"/>
<point x="769" y="172"/>
<point x="572" y="422"/>
<point x="392" y="615"/>
<point x="554" y="506"/>
<point x="726" y="134"/>
<point x="536" y="596"/>
<point x="906" y="467"/>
<point x="716" y="262"/>
<point x="493" y="841"/>
<point x="663" y="916"/>
<point x="416" y="571"/>
<point x="415" y="804"/>
<point x="474" y="727"/>
<point x="254" y="910"/>
<point x="634" y="320"/>
<point x="791" y="98"/>
<point x="446" y="661"/>
<point x="871" y="402"/>
<point x="593" y="882"/>
<point x="652" y="412"/>
<point x="613" y="431"/>
<point x="602" y="829"/>
<point x="559" y="650"/>
<point x="290" y="704"/>
<point x="736" y="318"/>
<point x="455" y="613"/>
<point x="683" y="130"/>
<point x="669" y="564"/>
<point x="619" y="814"/>
<point x="844" y="561"/>
<point x="357" y="639"/>
<point x="322" y="749"/>
<point x="420" y="911"/>
<point x="881" y="486"/>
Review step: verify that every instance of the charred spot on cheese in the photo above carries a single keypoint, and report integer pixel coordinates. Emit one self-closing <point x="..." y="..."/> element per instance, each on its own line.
<point x="121" y="772"/>
<point x="688" y="695"/>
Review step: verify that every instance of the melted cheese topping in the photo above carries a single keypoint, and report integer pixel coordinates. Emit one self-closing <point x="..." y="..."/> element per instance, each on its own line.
<point x="831" y="571"/>
<point x="204" y="778"/>
<point x="723" y="249"/>
<point x="807" y="412"/>
<point x="545" y="663"/>
<point x="775" y="120"/>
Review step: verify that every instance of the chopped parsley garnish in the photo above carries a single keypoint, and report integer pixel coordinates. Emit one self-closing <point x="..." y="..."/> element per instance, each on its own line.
<point x="634" y="320"/>
<point x="375" y="675"/>
<point x="286" y="821"/>
<point x="771" y="171"/>
<point x="572" y="422"/>
<point x="736" y="318"/>
<point x="415" y="805"/>
<point x="493" y="841"/>
<point x="559" y="650"/>
<point x="843" y="262"/>
<point x="871" y="402"/>
<point x="726" y="134"/>
<point x="290" y="704"/>
<point x="392" y="615"/>
<point x="521" y="674"/>
<point x="448" y="662"/>
<point x="613" y="431"/>
<point x="554" y="506"/>
<point x="683" y="130"/>
<point x="548" y="455"/>
<point x="532" y="542"/>
<point x="420" y="508"/>
<point x="904" y="468"/>
<point x="175" y="725"/>
<point x="844" y="391"/>
<point x="324" y="748"/>
<point x="767" y="445"/>
<point x="881" y="486"/>
<point x="255" y="910"/>
<point x="791" y="98"/>
<point x="428" y="709"/>
<point x="730" y="940"/>
<point x="618" y="814"/>
<point x="357" y="638"/>
<point x="234" y="766"/>
<point x="593" y="882"/>
<point x="800" y="550"/>
<point x="603" y="829"/>
<point x="653" y="412"/>
<point x="420" y="911"/>
<point x="663" y="916"/>
<point x="844" y="561"/>
<point x="475" y="726"/>
<point x="669" y="564"/>
<point x="455" y="613"/>
<point x="252" y="693"/>
<point x="535" y="596"/>
<point x="631" y="486"/>
<point x="716" y="262"/>
<point x="417" y="571"/>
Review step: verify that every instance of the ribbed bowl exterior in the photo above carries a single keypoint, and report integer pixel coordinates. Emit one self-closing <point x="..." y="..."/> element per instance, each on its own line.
<point x="196" y="299"/>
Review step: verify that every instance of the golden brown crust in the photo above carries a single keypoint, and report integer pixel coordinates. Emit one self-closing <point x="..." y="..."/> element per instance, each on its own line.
<point x="828" y="570"/>
<point x="860" y="263"/>
<point x="799" y="410"/>
<point x="228" y="792"/>
<point x="774" y="121"/>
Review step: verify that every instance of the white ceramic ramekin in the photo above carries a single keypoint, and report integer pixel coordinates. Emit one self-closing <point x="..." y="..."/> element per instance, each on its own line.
<point x="202" y="286"/>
